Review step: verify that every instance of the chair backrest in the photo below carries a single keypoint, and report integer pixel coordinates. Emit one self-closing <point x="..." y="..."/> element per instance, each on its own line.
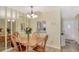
<point x="17" y="37"/>
<point x="46" y="38"/>
<point x="13" y="40"/>
<point x="36" y="36"/>
<point x="16" y="34"/>
<point x="43" y="43"/>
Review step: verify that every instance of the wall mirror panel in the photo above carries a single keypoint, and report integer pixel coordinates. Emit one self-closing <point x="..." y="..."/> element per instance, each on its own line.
<point x="2" y="34"/>
<point x="10" y="23"/>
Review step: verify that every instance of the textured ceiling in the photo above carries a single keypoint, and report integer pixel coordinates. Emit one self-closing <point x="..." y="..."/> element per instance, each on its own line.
<point x="67" y="11"/>
<point x="27" y="9"/>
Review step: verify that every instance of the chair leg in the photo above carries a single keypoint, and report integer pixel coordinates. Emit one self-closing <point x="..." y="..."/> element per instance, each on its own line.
<point x="20" y="47"/>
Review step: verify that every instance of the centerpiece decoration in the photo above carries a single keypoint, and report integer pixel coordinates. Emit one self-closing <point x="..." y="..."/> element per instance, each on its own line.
<point x="28" y="31"/>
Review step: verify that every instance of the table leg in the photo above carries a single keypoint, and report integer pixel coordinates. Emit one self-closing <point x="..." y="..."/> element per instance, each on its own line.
<point x="28" y="43"/>
<point x="27" y="48"/>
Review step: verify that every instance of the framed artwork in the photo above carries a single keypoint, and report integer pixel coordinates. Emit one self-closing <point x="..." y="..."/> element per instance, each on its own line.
<point x="41" y="26"/>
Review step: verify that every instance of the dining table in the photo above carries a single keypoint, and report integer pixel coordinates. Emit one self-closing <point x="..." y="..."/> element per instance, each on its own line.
<point x="30" y="43"/>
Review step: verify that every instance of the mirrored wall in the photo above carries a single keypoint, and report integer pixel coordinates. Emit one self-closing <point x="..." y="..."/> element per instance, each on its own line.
<point x="11" y="21"/>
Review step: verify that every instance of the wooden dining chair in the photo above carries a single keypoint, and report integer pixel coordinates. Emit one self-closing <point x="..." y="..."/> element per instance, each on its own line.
<point x="14" y="44"/>
<point x="17" y="46"/>
<point x="41" y="48"/>
<point x="34" y="38"/>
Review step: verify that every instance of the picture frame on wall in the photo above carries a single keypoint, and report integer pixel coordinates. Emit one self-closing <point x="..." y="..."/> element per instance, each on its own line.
<point x="41" y="26"/>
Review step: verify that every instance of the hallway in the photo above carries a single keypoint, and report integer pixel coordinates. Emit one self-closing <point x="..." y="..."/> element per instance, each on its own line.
<point x="71" y="46"/>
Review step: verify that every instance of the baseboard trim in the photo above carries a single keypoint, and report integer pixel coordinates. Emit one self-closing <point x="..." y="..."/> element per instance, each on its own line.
<point x="54" y="47"/>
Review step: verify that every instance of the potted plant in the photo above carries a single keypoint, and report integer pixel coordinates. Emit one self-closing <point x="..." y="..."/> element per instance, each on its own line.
<point x="28" y="31"/>
<point x="8" y="30"/>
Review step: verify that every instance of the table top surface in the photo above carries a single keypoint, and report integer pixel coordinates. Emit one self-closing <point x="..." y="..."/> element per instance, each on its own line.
<point x="32" y="42"/>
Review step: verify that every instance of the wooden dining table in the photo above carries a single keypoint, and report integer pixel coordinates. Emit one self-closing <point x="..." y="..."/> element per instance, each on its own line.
<point x="30" y="43"/>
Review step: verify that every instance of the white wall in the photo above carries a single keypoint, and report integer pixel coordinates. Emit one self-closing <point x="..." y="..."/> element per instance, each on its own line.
<point x="54" y="29"/>
<point x="53" y="26"/>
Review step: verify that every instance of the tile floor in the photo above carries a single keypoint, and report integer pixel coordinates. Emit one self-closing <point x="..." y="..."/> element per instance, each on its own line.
<point x="71" y="46"/>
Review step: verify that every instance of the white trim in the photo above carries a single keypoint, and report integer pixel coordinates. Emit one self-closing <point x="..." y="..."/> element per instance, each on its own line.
<point x="53" y="46"/>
